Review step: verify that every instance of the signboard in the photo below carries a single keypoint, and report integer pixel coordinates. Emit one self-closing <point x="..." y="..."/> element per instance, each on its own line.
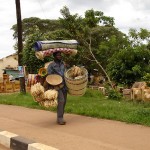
<point x="21" y="71"/>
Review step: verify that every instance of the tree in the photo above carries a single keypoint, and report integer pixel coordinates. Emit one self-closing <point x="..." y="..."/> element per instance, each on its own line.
<point x="35" y="29"/>
<point x="83" y="30"/>
<point x="138" y="38"/>
<point x="44" y="25"/>
<point x="129" y="65"/>
<point x="95" y="18"/>
<point x="100" y="43"/>
<point x="132" y="62"/>
<point x="29" y="59"/>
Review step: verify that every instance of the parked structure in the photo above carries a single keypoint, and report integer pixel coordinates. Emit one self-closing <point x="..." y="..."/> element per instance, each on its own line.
<point x="9" y="62"/>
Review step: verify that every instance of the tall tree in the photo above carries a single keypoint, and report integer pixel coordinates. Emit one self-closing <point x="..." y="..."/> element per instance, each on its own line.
<point x="95" y="28"/>
<point x="81" y="29"/>
<point x="28" y="24"/>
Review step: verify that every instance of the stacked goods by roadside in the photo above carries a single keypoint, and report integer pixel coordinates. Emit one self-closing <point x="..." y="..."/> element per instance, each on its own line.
<point x="136" y="93"/>
<point x="136" y="90"/>
<point x="31" y="79"/>
<point x="140" y="91"/>
<point x="47" y="98"/>
<point x="47" y="48"/>
<point x="146" y="94"/>
<point x="76" y="79"/>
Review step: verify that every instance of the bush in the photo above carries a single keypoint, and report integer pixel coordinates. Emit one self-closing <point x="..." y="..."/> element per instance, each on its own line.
<point x="114" y="94"/>
<point x="146" y="78"/>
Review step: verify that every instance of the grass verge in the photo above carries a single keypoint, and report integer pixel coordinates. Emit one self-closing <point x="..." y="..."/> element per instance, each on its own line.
<point x="92" y="104"/>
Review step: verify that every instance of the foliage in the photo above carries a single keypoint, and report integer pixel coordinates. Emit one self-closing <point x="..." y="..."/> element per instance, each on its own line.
<point x="68" y="27"/>
<point x="106" y="41"/>
<point x="28" y="24"/>
<point x="29" y="58"/>
<point x="125" y="57"/>
<point x="146" y="78"/>
<point x="129" y="65"/>
<point x="137" y="37"/>
<point x="93" y="18"/>
<point x="35" y="29"/>
<point x="73" y="23"/>
<point x="114" y="94"/>
<point x="97" y="26"/>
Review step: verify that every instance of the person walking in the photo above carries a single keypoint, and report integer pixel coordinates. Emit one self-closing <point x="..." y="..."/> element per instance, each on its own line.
<point x="58" y="67"/>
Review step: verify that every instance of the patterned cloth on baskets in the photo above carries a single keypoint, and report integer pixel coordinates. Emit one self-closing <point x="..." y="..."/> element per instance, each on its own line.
<point x="42" y="54"/>
<point x="44" y="45"/>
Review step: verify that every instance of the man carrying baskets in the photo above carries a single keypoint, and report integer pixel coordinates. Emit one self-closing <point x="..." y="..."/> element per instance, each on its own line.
<point x="57" y="67"/>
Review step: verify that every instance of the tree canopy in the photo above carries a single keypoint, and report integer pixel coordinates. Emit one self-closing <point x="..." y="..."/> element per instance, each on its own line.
<point x="125" y="57"/>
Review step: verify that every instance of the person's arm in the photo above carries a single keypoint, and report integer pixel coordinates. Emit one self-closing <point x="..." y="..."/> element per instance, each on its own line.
<point x="50" y="69"/>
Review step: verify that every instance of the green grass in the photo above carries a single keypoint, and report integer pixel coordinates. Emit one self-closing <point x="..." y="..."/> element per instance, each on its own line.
<point x="92" y="104"/>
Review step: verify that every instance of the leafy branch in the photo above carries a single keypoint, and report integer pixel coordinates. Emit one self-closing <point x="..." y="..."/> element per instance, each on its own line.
<point x="98" y="63"/>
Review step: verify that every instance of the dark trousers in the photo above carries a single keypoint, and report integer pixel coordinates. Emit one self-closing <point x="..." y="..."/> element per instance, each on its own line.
<point x="62" y="97"/>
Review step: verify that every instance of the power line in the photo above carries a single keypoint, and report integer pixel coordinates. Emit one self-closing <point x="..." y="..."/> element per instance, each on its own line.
<point x="42" y="9"/>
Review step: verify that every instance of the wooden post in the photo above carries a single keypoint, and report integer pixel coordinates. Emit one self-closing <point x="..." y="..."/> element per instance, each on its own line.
<point x="20" y="45"/>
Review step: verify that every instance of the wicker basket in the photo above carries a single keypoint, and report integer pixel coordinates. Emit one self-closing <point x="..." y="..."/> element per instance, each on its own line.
<point x="76" y="87"/>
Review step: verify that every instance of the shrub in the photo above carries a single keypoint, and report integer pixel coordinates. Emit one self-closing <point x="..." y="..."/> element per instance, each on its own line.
<point x="114" y="94"/>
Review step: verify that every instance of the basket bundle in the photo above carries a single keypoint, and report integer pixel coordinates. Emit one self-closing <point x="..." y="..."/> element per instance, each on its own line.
<point x="76" y="80"/>
<point x="37" y="91"/>
<point x="47" y="98"/>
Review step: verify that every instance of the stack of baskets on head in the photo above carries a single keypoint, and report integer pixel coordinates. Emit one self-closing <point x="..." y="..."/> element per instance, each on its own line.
<point x="47" y="48"/>
<point x="76" y="79"/>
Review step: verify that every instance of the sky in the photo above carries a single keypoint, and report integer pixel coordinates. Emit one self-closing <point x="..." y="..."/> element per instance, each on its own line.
<point x="127" y="14"/>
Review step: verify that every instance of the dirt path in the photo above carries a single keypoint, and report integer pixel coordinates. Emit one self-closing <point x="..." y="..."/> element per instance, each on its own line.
<point x="80" y="133"/>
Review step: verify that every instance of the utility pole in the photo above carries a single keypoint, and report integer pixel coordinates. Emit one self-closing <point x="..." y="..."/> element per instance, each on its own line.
<point x="20" y="45"/>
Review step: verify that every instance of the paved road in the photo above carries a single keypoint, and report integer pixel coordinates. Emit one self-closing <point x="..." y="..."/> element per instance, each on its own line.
<point x="3" y="147"/>
<point x="80" y="133"/>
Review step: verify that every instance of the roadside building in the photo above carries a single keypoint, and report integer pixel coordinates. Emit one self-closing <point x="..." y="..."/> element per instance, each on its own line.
<point x="9" y="64"/>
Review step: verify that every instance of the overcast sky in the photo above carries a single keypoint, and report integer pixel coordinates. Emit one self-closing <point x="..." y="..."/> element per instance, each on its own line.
<point x="127" y="14"/>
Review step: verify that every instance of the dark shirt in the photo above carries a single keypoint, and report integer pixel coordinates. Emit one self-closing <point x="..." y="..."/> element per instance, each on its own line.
<point x="57" y="68"/>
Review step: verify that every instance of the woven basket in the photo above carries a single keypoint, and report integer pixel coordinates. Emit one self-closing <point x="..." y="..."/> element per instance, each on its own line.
<point x="76" y="87"/>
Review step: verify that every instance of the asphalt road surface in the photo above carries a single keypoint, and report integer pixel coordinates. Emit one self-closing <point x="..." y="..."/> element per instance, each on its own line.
<point x="80" y="133"/>
<point x="2" y="147"/>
